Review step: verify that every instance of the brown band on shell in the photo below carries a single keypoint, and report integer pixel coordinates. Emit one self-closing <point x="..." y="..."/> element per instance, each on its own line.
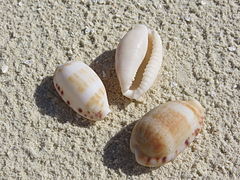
<point x="74" y="79"/>
<point x="177" y="127"/>
<point x="95" y="99"/>
<point x="193" y="109"/>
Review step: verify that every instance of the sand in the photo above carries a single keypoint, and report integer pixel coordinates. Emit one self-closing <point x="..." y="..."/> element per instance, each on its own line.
<point x="42" y="138"/>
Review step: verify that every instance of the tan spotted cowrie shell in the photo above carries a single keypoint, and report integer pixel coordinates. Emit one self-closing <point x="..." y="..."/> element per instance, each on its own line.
<point x="165" y="131"/>
<point x="82" y="89"/>
<point x="138" y="60"/>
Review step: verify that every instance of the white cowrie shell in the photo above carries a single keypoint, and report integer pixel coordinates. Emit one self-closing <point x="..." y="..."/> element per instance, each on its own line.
<point x="82" y="89"/>
<point x="138" y="60"/>
<point x="160" y="135"/>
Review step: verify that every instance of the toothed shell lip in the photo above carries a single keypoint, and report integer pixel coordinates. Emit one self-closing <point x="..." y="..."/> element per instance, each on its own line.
<point x="138" y="61"/>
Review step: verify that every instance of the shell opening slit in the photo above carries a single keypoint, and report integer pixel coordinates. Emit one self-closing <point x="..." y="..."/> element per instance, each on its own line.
<point x="142" y="68"/>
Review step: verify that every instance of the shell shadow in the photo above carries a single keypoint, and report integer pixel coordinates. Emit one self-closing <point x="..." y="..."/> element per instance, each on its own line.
<point x="104" y="66"/>
<point x="118" y="156"/>
<point x="51" y="104"/>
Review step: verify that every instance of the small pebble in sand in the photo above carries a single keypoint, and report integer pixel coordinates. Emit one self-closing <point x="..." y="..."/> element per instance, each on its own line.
<point x="4" y="69"/>
<point x="104" y="74"/>
<point x="212" y="93"/>
<point x="173" y="84"/>
<point x="27" y="62"/>
<point x="20" y="4"/>
<point x="98" y="1"/>
<point x="101" y="1"/>
<point x="203" y="3"/>
<point x="232" y="48"/>
<point x="87" y="30"/>
<point x="187" y="18"/>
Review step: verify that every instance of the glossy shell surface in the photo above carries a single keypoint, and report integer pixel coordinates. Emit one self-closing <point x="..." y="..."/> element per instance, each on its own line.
<point x="166" y="131"/>
<point x="138" y="60"/>
<point x="82" y="89"/>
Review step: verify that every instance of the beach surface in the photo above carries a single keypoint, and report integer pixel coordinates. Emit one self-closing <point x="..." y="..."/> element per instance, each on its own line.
<point x="42" y="138"/>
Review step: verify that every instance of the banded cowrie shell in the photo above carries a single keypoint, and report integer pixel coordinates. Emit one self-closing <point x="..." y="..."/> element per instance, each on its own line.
<point x="165" y="131"/>
<point x="82" y="89"/>
<point x="138" y="60"/>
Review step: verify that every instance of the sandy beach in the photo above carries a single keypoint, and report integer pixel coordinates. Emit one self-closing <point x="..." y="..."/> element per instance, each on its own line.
<point x="42" y="138"/>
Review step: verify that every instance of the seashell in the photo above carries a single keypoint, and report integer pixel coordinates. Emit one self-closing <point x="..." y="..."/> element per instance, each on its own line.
<point x="166" y="131"/>
<point x="82" y="89"/>
<point x="138" y="60"/>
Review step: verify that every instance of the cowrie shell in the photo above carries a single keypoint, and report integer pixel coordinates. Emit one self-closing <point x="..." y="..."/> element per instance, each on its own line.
<point x="138" y="60"/>
<point x="165" y="131"/>
<point x="82" y="89"/>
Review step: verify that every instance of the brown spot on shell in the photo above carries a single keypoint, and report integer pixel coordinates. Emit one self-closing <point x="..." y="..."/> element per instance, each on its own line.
<point x="98" y="114"/>
<point x="68" y="102"/>
<point x="62" y="92"/>
<point x="164" y="159"/>
<point x="79" y="110"/>
<point x="187" y="142"/>
<point x="148" y="160"/>
<point x="196" y="132"/>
